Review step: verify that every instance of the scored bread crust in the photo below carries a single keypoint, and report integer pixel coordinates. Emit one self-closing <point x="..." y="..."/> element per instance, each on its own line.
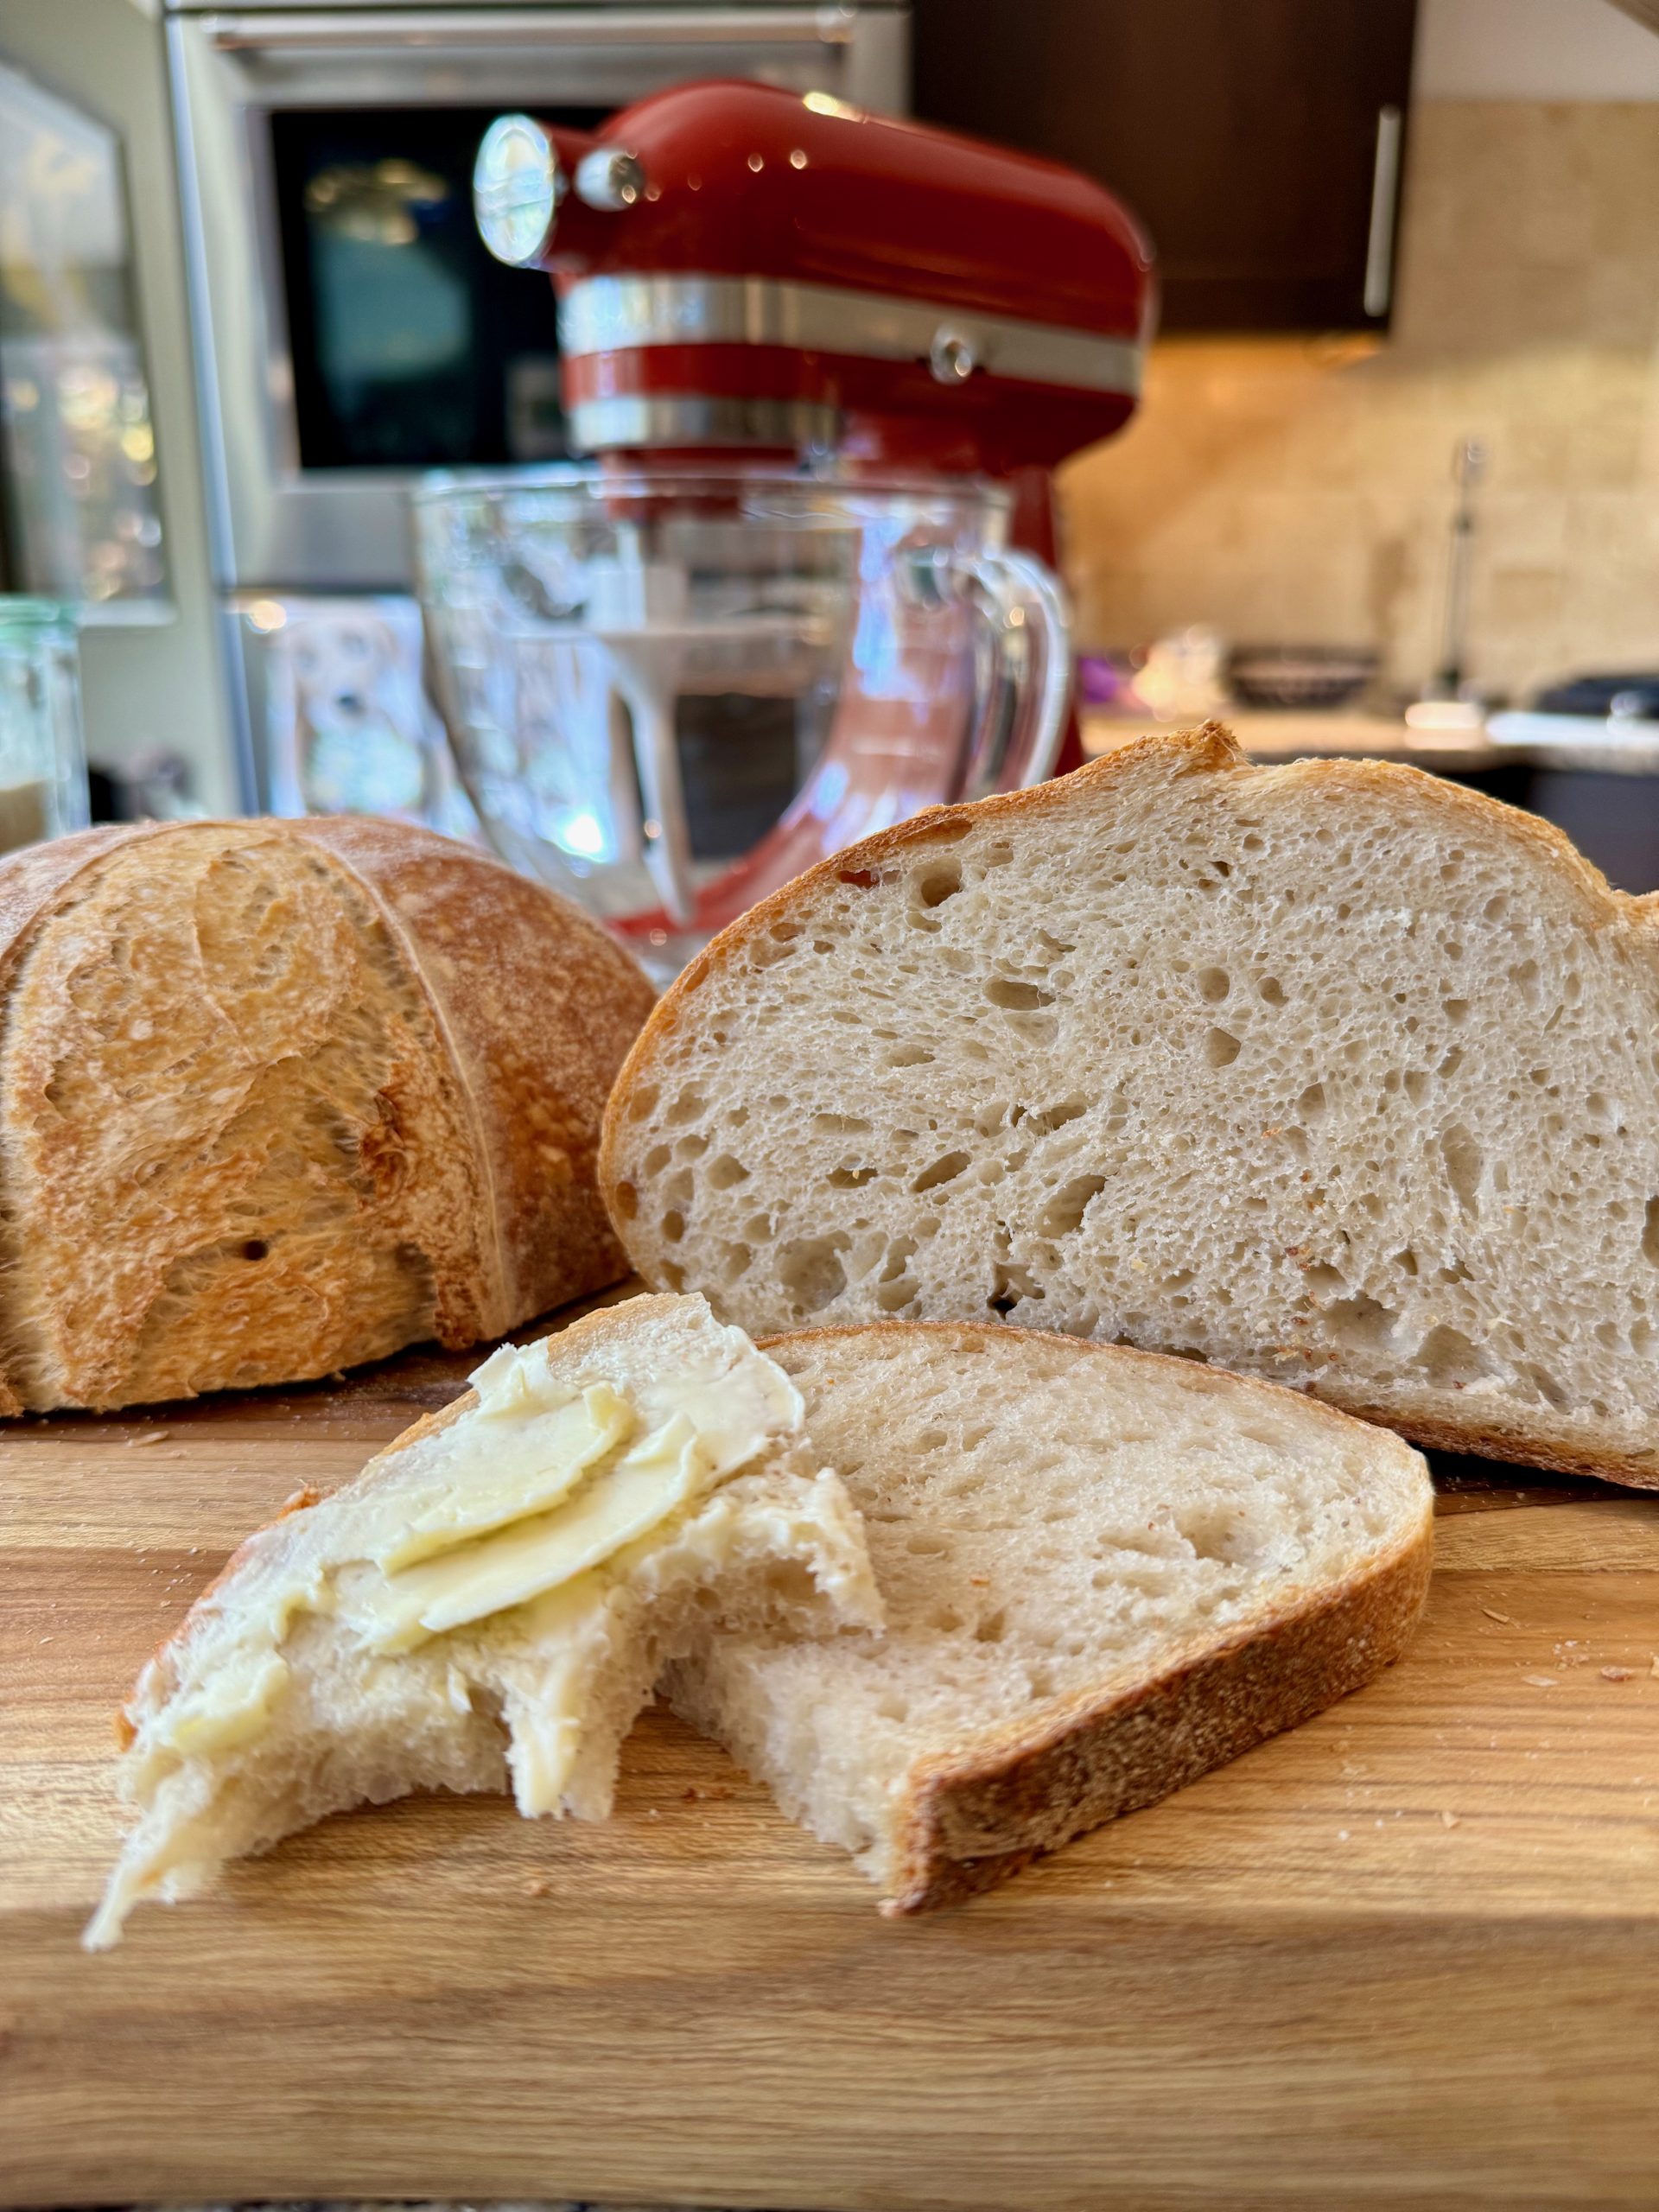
<point x="516" y="1011"/>
<point x="1488" y="1431"/>
<point x="30" y="880"/>
<point x="538" y="1005"/>
<point x="971" y="1817"/>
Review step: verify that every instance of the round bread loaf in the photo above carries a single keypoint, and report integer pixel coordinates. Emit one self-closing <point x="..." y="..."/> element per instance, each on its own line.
<point x="276" y="1097"/>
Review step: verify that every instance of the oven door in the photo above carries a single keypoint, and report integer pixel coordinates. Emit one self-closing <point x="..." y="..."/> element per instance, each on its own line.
<point x="351" y="329"/>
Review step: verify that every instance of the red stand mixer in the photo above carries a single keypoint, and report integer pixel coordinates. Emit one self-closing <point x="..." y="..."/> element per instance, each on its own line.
<point x="738" y="267"/>
<point x="750" y="280"/>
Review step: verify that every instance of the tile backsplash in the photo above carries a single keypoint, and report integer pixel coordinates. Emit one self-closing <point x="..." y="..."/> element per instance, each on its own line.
<point x="1300" y="491"/>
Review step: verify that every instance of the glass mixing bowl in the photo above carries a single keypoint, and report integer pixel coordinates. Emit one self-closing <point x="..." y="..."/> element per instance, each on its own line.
<point x="670" y="690"/>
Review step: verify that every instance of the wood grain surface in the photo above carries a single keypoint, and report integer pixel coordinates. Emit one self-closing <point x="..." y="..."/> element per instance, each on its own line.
<point x="1408" y="1956"/>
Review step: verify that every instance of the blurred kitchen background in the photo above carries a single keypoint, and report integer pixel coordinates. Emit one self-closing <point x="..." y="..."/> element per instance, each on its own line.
<point x="1393" y="487"/>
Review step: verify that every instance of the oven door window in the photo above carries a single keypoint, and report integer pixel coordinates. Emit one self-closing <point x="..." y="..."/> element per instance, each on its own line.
<point x="412" y="348"/>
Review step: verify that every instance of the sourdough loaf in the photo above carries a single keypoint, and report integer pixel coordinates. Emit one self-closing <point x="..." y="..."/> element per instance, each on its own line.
<point x="1333" y="1073"/>
<point x="1104" y="1573"/>
<point x="280" y="1097"/>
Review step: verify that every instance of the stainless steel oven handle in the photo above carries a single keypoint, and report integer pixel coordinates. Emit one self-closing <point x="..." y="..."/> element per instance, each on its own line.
<point x="822" y="26"/>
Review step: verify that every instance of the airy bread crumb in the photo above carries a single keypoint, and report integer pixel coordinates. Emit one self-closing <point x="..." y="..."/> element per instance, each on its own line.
<point x="1332" y="1073"/>
<point x="1105" y="1572"/>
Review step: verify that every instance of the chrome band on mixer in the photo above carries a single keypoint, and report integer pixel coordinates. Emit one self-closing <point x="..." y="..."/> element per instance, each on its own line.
<point x="666" y="419"/>
<point x="608" y="315"/>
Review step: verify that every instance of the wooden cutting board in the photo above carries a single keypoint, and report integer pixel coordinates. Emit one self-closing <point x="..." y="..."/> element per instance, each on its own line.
<point x="1407" y="1956"/>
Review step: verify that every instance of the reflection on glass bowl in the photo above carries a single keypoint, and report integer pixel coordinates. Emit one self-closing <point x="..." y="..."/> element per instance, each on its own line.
<point x="669" y="690"/>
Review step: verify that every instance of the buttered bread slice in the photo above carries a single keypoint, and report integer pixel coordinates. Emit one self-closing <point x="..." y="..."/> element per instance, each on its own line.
<point x="494" y="1596"/>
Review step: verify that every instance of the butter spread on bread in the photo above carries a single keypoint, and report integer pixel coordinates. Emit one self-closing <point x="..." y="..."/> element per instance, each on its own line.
<point x="531" y="1557"/>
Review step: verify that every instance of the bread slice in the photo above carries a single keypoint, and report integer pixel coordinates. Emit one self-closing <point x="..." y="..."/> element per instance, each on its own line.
<point x="1105" y="1572"/>
<point x="278" y="1098"/>
<point x="453" y="1616"/>
<point x="1332" y="1073"/>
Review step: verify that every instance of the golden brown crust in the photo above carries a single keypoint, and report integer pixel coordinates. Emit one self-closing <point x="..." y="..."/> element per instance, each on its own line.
<point x="32" y="883"/>
<point x="415" y="1045"/>
<point x="971" y="1819"/>
<point x="538" y="1006"/>
<point x="1206" y="750"/>
<point x="1515" y="1441"/>
<point x="970" y="1822"/>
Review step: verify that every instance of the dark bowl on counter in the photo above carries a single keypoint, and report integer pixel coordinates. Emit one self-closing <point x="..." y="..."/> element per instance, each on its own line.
<point x="1293" y="678"/>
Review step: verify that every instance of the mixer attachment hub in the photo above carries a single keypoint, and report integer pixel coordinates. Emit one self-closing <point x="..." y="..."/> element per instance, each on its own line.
<point x="518" y="183"/>
<point x="610" y="179"/>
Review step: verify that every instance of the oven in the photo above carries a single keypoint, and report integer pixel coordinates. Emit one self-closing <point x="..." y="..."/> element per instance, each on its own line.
<point x="350" y="330"/>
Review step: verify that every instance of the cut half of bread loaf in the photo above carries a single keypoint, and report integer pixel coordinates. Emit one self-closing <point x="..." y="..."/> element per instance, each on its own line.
<point x="492" y="1597"/>
<point x="1332" y="1073"/>
<point x="1105" y="1572"/>
<point x="278" y="1098"/>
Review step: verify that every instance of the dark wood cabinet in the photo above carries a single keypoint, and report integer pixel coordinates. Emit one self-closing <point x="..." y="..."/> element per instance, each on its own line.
<point x="1260" y="142"/>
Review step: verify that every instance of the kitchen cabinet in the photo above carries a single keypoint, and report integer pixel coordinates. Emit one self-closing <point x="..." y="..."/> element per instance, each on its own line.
<point x="1260" y="141"/>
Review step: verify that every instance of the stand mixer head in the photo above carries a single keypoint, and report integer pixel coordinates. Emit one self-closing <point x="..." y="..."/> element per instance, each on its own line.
<point x="738" y="268"/>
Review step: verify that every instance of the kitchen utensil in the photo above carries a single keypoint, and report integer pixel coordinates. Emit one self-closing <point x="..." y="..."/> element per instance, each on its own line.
<point x="670" y="688"/>
<point x="42" y="763"/>
<point x="1469" y="457"/>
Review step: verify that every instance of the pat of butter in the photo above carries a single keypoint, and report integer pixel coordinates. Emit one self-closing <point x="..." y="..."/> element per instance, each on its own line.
<point x="519" y="1501"/>
<point x="514" y="1383"/>
<point x="733" y="1406"/>
<point x="550" y="1449"/>
<point x="545" y="1739"/>
<point x="231" y="1708"/>
<point x="621" y="1505"/>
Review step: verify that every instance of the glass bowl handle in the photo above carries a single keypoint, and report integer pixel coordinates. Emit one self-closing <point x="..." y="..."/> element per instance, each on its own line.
<point x="1022" y="668"/>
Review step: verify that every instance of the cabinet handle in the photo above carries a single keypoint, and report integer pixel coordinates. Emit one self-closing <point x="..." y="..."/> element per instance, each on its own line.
<point x="1379" y="246"/>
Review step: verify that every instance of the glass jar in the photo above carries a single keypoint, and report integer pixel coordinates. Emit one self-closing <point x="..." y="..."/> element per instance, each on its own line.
<point x="43" y="757"/>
